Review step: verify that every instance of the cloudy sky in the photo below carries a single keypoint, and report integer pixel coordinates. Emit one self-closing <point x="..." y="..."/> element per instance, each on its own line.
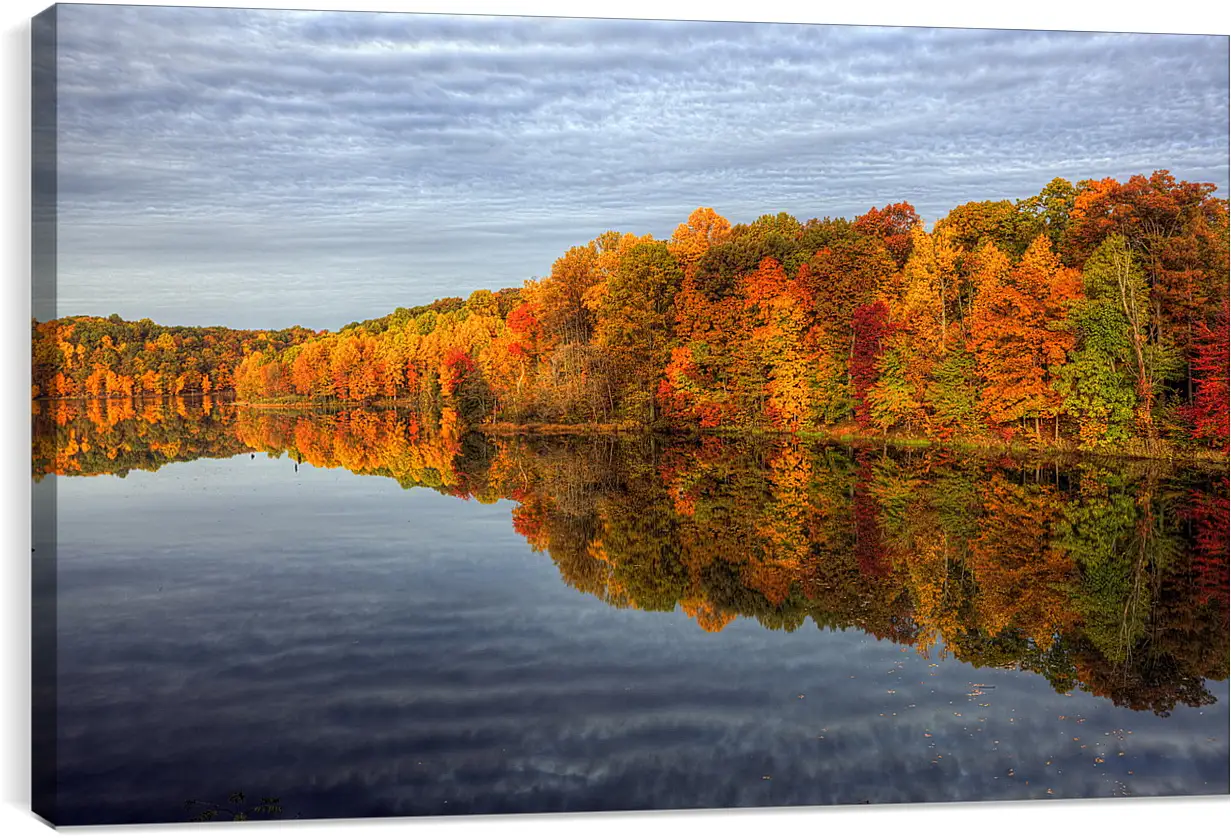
<point x="263" y="169"/>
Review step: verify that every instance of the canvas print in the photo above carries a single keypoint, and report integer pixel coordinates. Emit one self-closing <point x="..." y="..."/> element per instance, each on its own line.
<point x="454" y="415"/>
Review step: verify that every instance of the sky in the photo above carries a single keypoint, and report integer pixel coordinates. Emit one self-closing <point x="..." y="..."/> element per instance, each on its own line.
<point x="260" y="169"/>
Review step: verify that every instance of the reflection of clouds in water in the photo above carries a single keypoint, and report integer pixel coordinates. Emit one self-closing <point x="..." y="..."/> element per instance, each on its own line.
<point x="412" y="651"/>
<point x="862" y="757"/>
<point x="268" y="160"/>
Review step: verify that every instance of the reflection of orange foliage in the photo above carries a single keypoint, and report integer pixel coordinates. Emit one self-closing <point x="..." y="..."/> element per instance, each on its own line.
<point x="64" y="461"/>
<point x="530" y="520"/>
<point x="362" y="441"/>
<point x="115" y="435"/>
<point x="151" y="411"/>
<point x="928" y="571"/>
<point x="64" y="412"/>
<point x="965" y="555"/>
<point x="94" y="411"/>
<point x="1021" y="578"/>
<point x="685" y="471"/>
<point x="781" y="531"/>
<point x="706" y="614"/>
<point x="919" y="547"/>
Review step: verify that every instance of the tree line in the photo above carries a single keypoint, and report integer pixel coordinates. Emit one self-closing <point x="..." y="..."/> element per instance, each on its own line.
<point x="109" y="357"/>
<point x="1092" y="313"/>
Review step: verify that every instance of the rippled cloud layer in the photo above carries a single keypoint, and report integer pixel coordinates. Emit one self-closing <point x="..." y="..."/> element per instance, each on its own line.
<point x="259" y="168"/>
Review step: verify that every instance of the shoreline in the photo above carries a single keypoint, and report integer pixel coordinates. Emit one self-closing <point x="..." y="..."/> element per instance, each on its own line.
<point x="1135" y="450"/>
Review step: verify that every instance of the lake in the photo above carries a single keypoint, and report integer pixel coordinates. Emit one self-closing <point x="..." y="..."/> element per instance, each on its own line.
<point x="362" y="615"/>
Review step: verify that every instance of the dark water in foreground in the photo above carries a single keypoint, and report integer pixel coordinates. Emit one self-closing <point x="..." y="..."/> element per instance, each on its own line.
<point x="543" y="626"/>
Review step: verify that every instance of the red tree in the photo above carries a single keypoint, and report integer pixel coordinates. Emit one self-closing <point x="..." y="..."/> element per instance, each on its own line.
<point x="871" y="325"/>
<point x="892" y="225"/>
<point x="1210" y="406"/>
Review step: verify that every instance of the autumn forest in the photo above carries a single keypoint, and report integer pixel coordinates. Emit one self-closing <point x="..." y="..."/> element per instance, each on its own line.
<point x="1091" y="316"/>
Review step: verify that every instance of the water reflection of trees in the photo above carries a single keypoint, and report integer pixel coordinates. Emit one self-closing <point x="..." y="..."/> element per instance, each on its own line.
<point x="99" y="436"/>
<point x="1111" y="578"/>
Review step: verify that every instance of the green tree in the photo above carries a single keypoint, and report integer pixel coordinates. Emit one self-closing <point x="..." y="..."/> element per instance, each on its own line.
<point x="1097" y="382"/>
<point x="634" y="324"/>
<point x="1115" y="282"/>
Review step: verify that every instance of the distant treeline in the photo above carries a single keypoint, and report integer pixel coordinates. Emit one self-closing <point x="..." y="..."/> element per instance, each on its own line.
<point x="101" y="357"/>
<point x="1093" y="313"/>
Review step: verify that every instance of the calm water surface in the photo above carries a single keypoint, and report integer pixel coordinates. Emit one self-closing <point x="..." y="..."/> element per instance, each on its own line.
<point x="423" y="624"/>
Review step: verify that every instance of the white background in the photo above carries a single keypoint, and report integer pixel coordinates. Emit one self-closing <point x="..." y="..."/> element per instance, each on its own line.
<point x="1106" y="818"/>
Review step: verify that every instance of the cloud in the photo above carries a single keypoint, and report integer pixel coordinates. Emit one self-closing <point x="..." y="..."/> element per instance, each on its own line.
<point x="261" y="168"/>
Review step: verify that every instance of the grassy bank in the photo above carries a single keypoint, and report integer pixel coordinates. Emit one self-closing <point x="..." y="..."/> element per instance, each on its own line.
<point x="982" y="446"/>
<point x="1134" y="449"/>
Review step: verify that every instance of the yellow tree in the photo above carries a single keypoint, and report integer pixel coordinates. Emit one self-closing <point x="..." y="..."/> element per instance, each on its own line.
<point x="704" y="229"/>
<point x="559" y="299"/>
<point x="1018" y="336"/>
<point x="920" y="333"/>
